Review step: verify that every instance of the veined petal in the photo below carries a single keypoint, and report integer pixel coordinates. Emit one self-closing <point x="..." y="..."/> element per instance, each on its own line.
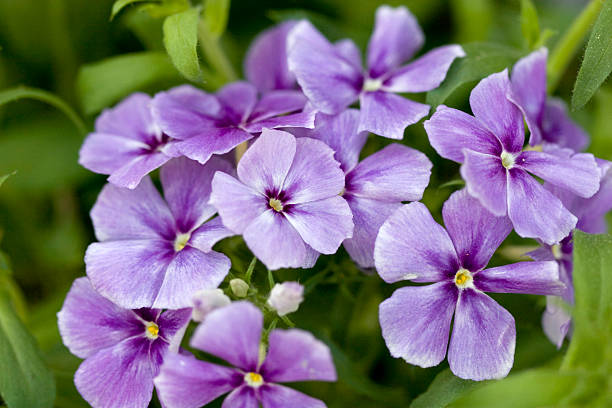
<point x="349" y="51"/>
<point x="207" y="235"/>
<point x="302" y="119"/>
<point x="594" y="209"/>
<point x="559" y="128"/>
<point x="536" y="278"/>
<point x="415" y="322"/>
<point x="485" y="179"/>
<point x="238" y="100"/>
<point x="172" y="325"/>
<point x="242" y="397"/>
<point x="278" y="396"/>
<point x="105" y="153"/>
<point x="212" y="141"/>
<point x="556" y="320"/>
<point x="276" y="103"/>
<point x="131" y="118"/>
<point x="131" y="173"/>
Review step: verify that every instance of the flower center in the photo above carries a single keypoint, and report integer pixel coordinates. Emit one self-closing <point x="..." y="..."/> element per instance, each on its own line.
<point x="253" y="379"/>
<point x="463" y="278"/>
<point x="181" y="241"/>
<point x="372" y="85"/>
<point x="556" y="251"/>
<point x="276" y="204"/>
<point x="152" y="331"/>
<point x="507" y="160"/>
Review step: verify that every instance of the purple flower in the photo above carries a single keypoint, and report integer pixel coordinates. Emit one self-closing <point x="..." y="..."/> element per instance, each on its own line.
<point x="376" y="187"/>
<point x="547" y="118"/>
<point x="156" y="253"/>
<point x="206" y="124"/>
<point x="127" y="143"/>
<point x="416" y="320"/>
<point x="265" y="64"/>
<point x="286" y="201"/>
<point x="233" y="333"/>
<point x="332" y="76"/>
<point x="496" y="168"/>
<point x="591" y="212"/>
<point x="205" y="301"/>
<point x="123" y="349"/>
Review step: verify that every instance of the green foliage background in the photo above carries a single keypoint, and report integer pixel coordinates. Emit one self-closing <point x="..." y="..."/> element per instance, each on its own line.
<point x="72" y="50"/>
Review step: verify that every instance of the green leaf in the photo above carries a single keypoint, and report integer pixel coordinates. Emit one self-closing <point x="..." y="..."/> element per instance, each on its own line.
<point x="481" y="60"/>
<point x="166" y="8"/>
<point x="597" y="61"/>
<point x="25" y="381"/>
<point x="216" y="13"/>
<point x="444" y="389"/>
<point x="21" y="92"/>
<point x="6" y="176"/>
<point x="121" y="4"/>
<point x="105" y="82"/>
<point x="529" y="23"/>
<point x="181" y="41"/>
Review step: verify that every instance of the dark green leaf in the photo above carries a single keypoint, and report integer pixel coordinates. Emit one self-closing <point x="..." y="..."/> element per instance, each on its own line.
<point x="481" y="60"/>
<point x="597" y="62"/>
<point x="444" y="389"/>
<point x="181" y="41"/>
<point x="121" y="4"/>
<point x="529" y="23"/>
<point x="103" y="83"/>
<point x="216" y="13"/>
<point x="25" y="381"/>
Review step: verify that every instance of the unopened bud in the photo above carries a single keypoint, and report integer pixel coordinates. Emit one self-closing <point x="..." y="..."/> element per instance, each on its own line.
<point x="239" y="287"/>
<point x="286" y="297"/>
<point x="205" y="301"/>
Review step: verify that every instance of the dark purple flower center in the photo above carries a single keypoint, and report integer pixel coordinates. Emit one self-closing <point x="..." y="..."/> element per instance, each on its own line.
<point x="277" y="201"/>
<point x="155" y="143"/>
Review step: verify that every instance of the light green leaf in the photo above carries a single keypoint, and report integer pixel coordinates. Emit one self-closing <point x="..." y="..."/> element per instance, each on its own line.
<point x="444" y="389"/>
<point x="105" y="82"/>
<point x="481" y="60"/>
<point x="216" y="13"/>
<point x="25" y="381"/>
<point x="121" y="4"/>
<point x="21" y="92"/>
<point x="181" y="41"/>
<point x="529" y="23"/>
<point x="6" y="176"/>
<point x="166" y="8"/>
<point x="597" y="61"/>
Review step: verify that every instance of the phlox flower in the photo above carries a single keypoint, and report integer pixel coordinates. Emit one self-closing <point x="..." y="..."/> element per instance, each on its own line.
<point x="123" y="348"/>
<point x="496" y="168"/>
<point x="155" y="252"/>
<point x="416" y="320"/>
<point x="332" y="77"/>
<point x="286" y="201"/>
<point x="233" y="333"/>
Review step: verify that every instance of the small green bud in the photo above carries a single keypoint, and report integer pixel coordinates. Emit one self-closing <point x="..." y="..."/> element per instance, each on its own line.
<point x="239" y="287"/>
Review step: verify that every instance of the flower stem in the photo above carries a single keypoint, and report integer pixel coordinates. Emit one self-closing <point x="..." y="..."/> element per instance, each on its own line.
<point x="250" y="269"/>
<point x="568" y="45"/>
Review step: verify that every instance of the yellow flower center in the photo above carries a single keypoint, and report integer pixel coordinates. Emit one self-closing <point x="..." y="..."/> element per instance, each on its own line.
<point x="507" y="160"/>
<point x="463" y="278"/>
<point x="152" y="331"/>
<point x="536" y="148"/>
<point x="253" y="379"/>
<point x="276" y="204"/>
<point x="181" y="241"/>
<point x="556" y="251"/>
<point x="372" y="85"/>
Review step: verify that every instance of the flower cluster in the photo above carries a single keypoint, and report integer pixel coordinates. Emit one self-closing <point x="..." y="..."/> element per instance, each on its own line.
<point x="277" y="157"/>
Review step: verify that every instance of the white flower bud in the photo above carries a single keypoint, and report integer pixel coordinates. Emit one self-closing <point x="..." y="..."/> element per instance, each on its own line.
<point x="239" y="287"/>
<point x="286" y="297"/>
<point x="205" y="301"/>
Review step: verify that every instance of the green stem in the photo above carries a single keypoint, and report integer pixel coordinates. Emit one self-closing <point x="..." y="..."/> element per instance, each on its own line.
<point x="568" y="45"/>
<point x="215" y="55"/>
<point x="250" y="269"/>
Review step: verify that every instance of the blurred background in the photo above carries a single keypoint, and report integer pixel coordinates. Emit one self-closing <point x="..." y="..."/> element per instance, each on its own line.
<point x="44" y="207"/>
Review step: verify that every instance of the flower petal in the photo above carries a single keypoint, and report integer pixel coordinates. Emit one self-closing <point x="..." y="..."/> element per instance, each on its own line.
<point x="534" y="211"/>
<point x="450" y="131"/>
<point x="559" y="128"/>
<point x="185" y="382"/>
<point x="485" y="179"/>
<point x="211" y="232"/>
<point x="412" y="246"/>
<point x="238" y="100"/>
<point x="475" y="232"/>
<point x="276" y="103"/>
<point x="212" y="141"/>
<point x="232" y="333"/>
<point x="415" y="322"/>
<point x="593" y="210"/>
<point x="296" y="355"/>
<point x="132" y="172"/>
<point x="395" y="173"/>
<point x="105" y="153"/>
<point x="483" y="339"/>
<point x="172" y="325"/>
<point x="556" y="320"/>
<point x="535" y="278"/>
<point x="278" y="396"/>
<point x="131" y="118"/>
<point x="328" y="79"/>
<point x="388" y="115"/>
<point x="349" y="51"/>
<point x="242" y="397"/>
<point x="503" y="118"/>
<point x="396" y="37"/>
<point x="302" y="119"/>
<point x="426" y="72"/>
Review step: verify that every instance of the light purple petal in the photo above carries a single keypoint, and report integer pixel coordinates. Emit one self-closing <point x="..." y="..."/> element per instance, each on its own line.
<point x="529" y="90"/>
<point x="172" y="325"/>
<point x="578" y="173"/>
<point x="119" y="376"/>
<point x="560" y="129"/>
<point x="212" y="141"/>
<point x="265" y="64"/>
<point x="105" y="153"/>
<point x="232" y="333"/>
<point x="211" y="232"/>
<point x="130" y="174"/>
<point x="483" y="339"/>
<point x="534" y="211"/>
<point x="190" y="270"/>
<point x="131" y="118"/>
<point x="395" y="173"/>
<point x="593" y="210"/>
<point x="241" y="397"/>
<point x="426" y="72"/>
<point x="415" y="322"/>
<point x="128" y="272"/>
<point x="450" y="131"/>
<point x="322" y="224"/>
<point x="238" y="100"/>
<point x="314" y="173"/>
<point x="491" y="106"/>
<point x="485" y="179"/>
<point x="278" y="396"/>
<point x="89" y="322"/>
<point x="475" y="232"/>
<point x="412" y="246"/>
<point x="368" y="216"/>
<point x="556" y="320"/>
<point x="187" y="186"/>
<point x="276" y="103"/>
<point x="543" y="253"/>
<point x="329" y="80"/>
<point x="141" y="213"/>
<point x="302" y="119"/>
<point x="296" y="355"/>
<point x="388" y="115"/>
<point x="535" y="278"/>
<point x="185" y="382"/>
<point x="396" y="37"/>
<point x="349" y="51"/>
<point x="275" y="242"/>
